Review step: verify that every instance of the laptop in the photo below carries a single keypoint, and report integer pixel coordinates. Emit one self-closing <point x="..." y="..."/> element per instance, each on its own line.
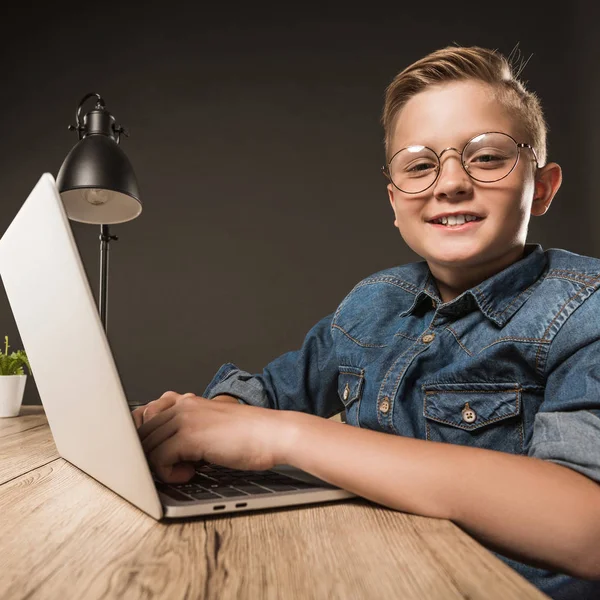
<point x="81" y="391"/>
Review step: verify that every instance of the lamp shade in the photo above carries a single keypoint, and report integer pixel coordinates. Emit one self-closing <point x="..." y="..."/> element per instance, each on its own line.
<point x="97" y="184"/>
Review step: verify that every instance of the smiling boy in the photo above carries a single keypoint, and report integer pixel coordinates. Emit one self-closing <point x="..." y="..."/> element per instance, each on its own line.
<point x="446" y="117"/>
<point x="470" y="380"/>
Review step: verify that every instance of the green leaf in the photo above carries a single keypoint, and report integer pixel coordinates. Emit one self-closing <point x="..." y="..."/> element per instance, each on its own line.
<point x="12" y="364"/>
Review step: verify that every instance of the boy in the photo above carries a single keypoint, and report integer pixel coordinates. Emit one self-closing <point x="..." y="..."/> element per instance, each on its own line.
<point x="481" y="360"/>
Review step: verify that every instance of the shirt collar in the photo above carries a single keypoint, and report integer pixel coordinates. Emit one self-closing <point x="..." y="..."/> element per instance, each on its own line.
<point x="499" y="297"/>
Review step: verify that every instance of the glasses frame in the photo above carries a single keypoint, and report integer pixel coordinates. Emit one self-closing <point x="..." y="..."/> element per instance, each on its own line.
<point x="386" y="168"/>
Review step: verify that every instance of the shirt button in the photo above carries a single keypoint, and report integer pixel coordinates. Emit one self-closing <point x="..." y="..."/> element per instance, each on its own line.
<point x="429" y="337"/>
<point x="346" y="392"/>
<point x="384" y="406"/>
<point x="468" y="414"/>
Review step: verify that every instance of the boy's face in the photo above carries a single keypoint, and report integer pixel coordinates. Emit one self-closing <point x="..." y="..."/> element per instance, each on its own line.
<point x="449" y="115"/>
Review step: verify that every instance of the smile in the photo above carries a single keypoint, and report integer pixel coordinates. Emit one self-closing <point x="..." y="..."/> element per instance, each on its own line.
<point x="460" y="225"/>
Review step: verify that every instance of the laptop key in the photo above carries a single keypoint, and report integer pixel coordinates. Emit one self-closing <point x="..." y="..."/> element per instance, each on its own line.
<point x="301" y="485"/>
<point x="225" y="480"/>
<point x="204" y="469"/>
<point x="251" y="489"/>
<point x="228" y="492"/>
<point x="279" y="487"/>
<point x="173" y="493"/>
<point x="203" y="496"/>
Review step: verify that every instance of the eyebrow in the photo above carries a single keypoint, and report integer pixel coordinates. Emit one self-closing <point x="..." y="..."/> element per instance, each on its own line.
<point x="459" y="146"/>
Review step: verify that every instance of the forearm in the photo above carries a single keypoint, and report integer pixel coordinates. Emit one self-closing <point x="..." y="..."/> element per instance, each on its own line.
<point x="528" y="509"/>
<point x="226" y="398"/>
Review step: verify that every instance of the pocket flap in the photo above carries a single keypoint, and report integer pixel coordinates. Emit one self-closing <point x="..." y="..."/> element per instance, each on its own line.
<point x="487" y="403"/>
<point x="350" y="383"/>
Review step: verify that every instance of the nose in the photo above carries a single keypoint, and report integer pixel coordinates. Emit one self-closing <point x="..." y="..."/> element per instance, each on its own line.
<point x="453" y="181"/>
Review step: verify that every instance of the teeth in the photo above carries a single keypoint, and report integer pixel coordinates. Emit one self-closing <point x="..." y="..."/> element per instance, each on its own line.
<point x="453" y="220"/>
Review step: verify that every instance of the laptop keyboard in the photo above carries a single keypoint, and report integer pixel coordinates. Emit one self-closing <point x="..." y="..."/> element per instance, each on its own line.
<point x="214" y="482"/>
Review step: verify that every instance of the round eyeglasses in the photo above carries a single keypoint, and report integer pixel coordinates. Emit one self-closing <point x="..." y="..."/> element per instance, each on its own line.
<point x="487" y="157"/>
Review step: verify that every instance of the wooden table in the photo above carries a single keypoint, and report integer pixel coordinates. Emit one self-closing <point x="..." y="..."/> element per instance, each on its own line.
<point x="64" y="535"/>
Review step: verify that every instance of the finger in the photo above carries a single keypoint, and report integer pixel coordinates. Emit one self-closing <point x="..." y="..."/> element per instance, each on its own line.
<point x="137" y="415"/>
<point x="162" y="403"/>
<point x="157" y="430"/>
<point x="173" y="460"/>
<point x="180" y="472"/>
<point x="150" y="425"/>
<point x="167" y="400"/>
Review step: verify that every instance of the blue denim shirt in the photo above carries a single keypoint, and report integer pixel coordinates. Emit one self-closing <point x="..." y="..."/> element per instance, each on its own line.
<point x="512" y="364"/>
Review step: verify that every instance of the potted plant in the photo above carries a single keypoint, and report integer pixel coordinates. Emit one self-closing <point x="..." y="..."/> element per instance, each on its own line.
<point x="12" y="380"/>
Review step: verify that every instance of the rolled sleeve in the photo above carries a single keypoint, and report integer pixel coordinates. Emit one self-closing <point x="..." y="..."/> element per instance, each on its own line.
<point x="571" y="439"/>
<point x="231" y="380"/>
<point x="304" y="380"/>
<point x="566" y="429"/>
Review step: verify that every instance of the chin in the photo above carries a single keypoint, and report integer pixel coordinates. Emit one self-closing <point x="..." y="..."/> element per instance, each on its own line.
<point x="453" y="261"/>
<point x="461" y="250"/>
<point x="455" y="256"/>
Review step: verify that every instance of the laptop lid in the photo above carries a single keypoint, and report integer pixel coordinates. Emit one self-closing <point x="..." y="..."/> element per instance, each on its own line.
<point x="70" y="357"/>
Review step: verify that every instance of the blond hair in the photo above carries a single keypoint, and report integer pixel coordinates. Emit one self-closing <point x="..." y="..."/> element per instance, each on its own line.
<point x="456" y="63"/>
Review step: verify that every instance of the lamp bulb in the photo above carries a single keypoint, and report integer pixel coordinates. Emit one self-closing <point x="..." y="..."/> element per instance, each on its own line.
<point x="96" y="197"/>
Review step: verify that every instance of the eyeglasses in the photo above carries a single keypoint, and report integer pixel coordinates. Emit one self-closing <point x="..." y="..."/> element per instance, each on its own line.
<point x="487" y="157"/>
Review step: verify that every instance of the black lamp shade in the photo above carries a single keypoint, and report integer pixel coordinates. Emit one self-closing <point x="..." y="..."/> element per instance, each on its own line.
<point x="97" y="184"/>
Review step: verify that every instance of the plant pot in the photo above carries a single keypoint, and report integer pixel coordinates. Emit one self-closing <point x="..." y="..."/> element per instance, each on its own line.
<point x="11" y="394"/>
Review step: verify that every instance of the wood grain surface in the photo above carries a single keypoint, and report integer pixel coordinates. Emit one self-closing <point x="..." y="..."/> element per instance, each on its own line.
<point x="64" y="535"/>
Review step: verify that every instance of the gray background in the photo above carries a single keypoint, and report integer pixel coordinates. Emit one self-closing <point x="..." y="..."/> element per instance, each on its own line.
<point x="256" y="140"/>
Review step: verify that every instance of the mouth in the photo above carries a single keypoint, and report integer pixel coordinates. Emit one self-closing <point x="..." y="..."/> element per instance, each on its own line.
<point x="460" y="223"/>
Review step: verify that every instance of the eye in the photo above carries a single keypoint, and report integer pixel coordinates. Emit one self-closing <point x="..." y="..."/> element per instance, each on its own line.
<point x="488" y="158"/>
<point x="420" y="168"/>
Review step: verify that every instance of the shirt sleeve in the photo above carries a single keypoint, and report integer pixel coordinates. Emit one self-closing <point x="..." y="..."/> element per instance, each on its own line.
<point x="566" y="428"/>
<point x="304" y="380"/>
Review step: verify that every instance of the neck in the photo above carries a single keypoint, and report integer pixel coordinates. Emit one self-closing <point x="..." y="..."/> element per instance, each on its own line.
<point x="452" y="280"/>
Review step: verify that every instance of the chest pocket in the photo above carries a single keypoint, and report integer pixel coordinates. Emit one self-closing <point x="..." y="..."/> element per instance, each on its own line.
<point x="350" y="389"/>
<point x="483" y="415"/>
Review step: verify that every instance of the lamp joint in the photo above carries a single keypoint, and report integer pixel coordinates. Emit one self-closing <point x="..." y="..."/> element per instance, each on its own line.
<point x="107" y="238"/>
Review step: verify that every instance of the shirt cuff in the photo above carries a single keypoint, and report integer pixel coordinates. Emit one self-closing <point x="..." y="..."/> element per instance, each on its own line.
<point x="235" y="382"/>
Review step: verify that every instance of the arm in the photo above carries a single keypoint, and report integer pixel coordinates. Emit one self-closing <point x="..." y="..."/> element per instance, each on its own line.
<point x="542" y="509"/>
<point x="526" y="508"/>
<point x="303" y="380"/>
<point x="225" y="398"/>
<point x="532" y="510"/>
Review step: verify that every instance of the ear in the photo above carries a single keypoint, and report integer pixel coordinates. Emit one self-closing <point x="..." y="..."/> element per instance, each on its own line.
<point x="390" y="189"/>
<point x="547" y="183"/>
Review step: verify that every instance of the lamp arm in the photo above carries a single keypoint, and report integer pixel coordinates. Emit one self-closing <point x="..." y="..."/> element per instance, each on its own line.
<point x="78" y="124"/>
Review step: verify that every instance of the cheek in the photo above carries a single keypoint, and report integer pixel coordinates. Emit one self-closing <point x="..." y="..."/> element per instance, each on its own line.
<point x="521" y="205"/>
<point x="409" y="221"/>
<point x="408" y="207"/>
<point x="522" y="190"/>
<point x="511" y="202"/>
<point x="528" y="191"/>
<point x="408" y="215"/>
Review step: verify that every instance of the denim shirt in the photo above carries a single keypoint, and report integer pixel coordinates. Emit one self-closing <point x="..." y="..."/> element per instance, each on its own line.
<point x="512" y="364"/>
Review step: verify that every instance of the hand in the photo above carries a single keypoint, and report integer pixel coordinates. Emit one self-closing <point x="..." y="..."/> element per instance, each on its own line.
<point x="193" y="428"/>
<point x="146" y="412"/>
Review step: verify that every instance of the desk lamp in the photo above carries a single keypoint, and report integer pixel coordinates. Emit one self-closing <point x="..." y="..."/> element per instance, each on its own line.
<point x="96" y="182"/>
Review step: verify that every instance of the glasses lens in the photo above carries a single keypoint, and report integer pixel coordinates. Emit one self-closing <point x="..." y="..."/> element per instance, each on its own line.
<point x="490" y="156"/>
<point x="414" y="169"/>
